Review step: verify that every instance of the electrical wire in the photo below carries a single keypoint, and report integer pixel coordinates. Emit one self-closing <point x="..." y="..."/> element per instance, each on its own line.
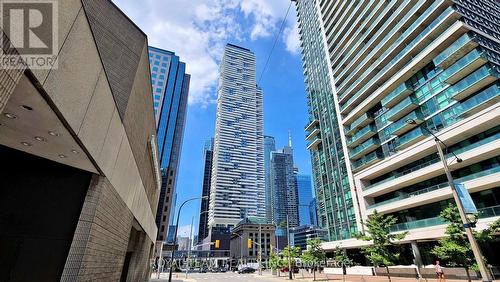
<point x="274" y="44"/>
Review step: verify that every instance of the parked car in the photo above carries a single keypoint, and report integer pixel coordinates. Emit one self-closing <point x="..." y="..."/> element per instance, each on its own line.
<point x="294" y="269"/>
<point x="246" y="269"/>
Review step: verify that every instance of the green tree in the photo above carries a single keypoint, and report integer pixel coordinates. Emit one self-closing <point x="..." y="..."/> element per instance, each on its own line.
<point x="381" y="251"/>
<point x="275" y="261"/>
<point x="341" y="259"/>
<point x="455" y="248"/>
<point x="314" y="255"/>
<point x="290" y="255"/>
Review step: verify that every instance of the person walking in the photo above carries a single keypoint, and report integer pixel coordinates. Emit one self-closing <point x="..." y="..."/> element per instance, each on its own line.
<point x="439" y="272"/>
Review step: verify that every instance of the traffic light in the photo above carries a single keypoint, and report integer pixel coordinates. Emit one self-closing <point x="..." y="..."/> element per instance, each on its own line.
<point x="249" y="243"/>
<point x="217" y="244"/>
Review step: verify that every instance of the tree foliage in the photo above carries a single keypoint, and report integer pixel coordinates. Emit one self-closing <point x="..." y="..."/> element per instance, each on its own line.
<point x="292" y="253"/>
<point x="341" y="259"/>
<point x="454" y="248"/>
<point x="378" y="228"/>
<point x="314" y="254"/>
<point x="275" y="261"/>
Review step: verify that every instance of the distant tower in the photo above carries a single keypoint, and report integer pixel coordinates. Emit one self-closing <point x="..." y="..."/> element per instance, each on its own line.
<point x="269" y="146"/>
<point x="237" y="185"/>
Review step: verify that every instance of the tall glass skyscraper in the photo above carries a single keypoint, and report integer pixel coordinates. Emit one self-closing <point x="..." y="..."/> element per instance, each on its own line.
<point x="305" y="196"/>
<point x="237" y="188"/>
<point x="269" y="146"/>
<point x="396" y="70"/>
<point x="336" y="210"/>
<point x="284" y="188"/>
<point x="170" y="94"/>
<point x="207" y="177"/>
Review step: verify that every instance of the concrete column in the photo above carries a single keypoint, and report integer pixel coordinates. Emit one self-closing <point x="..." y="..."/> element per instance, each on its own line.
<point x="417" y="258"/>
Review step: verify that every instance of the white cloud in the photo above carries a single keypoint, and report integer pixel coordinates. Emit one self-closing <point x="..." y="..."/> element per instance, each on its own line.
<point x="197" y="31"/>
<point x="291" y="38"/>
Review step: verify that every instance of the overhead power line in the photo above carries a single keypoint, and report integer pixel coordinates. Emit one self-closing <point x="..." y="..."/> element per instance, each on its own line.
<point x="274" y="44"/>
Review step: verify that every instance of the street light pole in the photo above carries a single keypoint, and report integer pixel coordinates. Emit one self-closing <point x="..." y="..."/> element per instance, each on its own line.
<point x="289" y="249"/>
<point x="260" y="249"/>
<point x="466" y="223"/>
<point x="175" y="235"/>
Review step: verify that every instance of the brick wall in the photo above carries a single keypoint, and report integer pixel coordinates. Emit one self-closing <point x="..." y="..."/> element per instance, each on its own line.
<point x="101" y="239"/>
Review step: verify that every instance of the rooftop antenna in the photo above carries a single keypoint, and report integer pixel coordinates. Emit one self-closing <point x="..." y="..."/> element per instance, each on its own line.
<point x="289" y="139"/>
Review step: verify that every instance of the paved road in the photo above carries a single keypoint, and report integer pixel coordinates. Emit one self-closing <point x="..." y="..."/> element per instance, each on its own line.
<point x="217" y="277"/>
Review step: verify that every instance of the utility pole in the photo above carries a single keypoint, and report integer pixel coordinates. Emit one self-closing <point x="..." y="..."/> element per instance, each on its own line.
<point x="485" y="274"/>
<point x="467" y="225"/>
<point x="260" y="249"/>
<point x="289" y="249"/>
<point x="189" y="246"/>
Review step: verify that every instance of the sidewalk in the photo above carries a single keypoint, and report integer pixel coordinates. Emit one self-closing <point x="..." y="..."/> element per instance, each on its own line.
<point x="176" y="277"/>
<point x="306" y="276"/>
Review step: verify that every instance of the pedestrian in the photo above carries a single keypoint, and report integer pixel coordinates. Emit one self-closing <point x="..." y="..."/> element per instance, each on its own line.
<point x="439" y="272"/>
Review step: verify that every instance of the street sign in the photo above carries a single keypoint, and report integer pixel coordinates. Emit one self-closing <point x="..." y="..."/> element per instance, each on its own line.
<point x="465" y="199"/>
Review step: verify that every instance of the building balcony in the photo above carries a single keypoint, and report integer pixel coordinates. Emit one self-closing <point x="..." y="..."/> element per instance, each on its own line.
<point x="474" y="82"/>
<point x="314" y="143"/>
<point x="315" y="131"/>
<point x="311" y="125"/>
<point x="361" y="136"/>
<point x="366" y="161"/>
<point x="464" y="66"/>
<point x="411" y="138"/>
<point x="483" y="100"/>
<point x="359" y="123"/>
<point x="401" y="126"/>
<point x="398" y="94"/>
<point x="402" y="108"/>
<point x="455" y="51"/>
<point x="493" y="211"/>
<point x="364" y="148"/>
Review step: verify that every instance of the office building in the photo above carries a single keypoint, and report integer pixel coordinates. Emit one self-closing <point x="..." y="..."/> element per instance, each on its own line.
<point x="269" y="146"/>
<point x="301" y="234"/>
<point x="305" y="196"/>
<point x="313" y="214"/>
<point x="237" y="188"/>
<point x="183" y="243"/>
<point x="207" y="176"/>
<point x="259" y="232"/>
<point x="81" y="179"/>
<point x="434" y="63"/>
<point x="170" y="86"/>
<point x="284" y="188"/>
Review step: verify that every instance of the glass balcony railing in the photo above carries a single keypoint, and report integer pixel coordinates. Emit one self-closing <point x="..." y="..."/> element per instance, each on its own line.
<point x="401" y="126"/>
<point x="474" y="81"/>
<point x="365" y="147"/>
<point x="314" y="143"/>
<point x="464" y="66"/>
<point x="484" y="99"/>
<point x="367" y="160"/>
<point x="433" y="161"/>
<point x="402" y="108"/>
<point x="434" y="221"/>
<point x="362" y="135"/>
<point x="438" y="186"/>
<point x="402" y="53"/>
<point x="398" y="94"/>
<point x="411" y="138"/>
<point x="401" y="38"/>
<point x="462" y="45"/>
<point x="363" y="120"/>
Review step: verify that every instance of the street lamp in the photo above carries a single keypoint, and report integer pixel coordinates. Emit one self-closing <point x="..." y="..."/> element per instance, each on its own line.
<point x="465" y="220"/>
<point x="175" y="234"/>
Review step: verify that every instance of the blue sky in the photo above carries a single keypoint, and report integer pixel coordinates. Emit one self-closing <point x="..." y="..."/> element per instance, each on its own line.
<point x="197" y="31"/>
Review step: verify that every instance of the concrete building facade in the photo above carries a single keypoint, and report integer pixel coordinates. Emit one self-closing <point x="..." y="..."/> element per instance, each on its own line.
<point x="435" y="63"/>
<point x="82" y="185"/>
<point x="259" y="232"/>
<point x="237" y="188"/>
<point x="170" y="85"/>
